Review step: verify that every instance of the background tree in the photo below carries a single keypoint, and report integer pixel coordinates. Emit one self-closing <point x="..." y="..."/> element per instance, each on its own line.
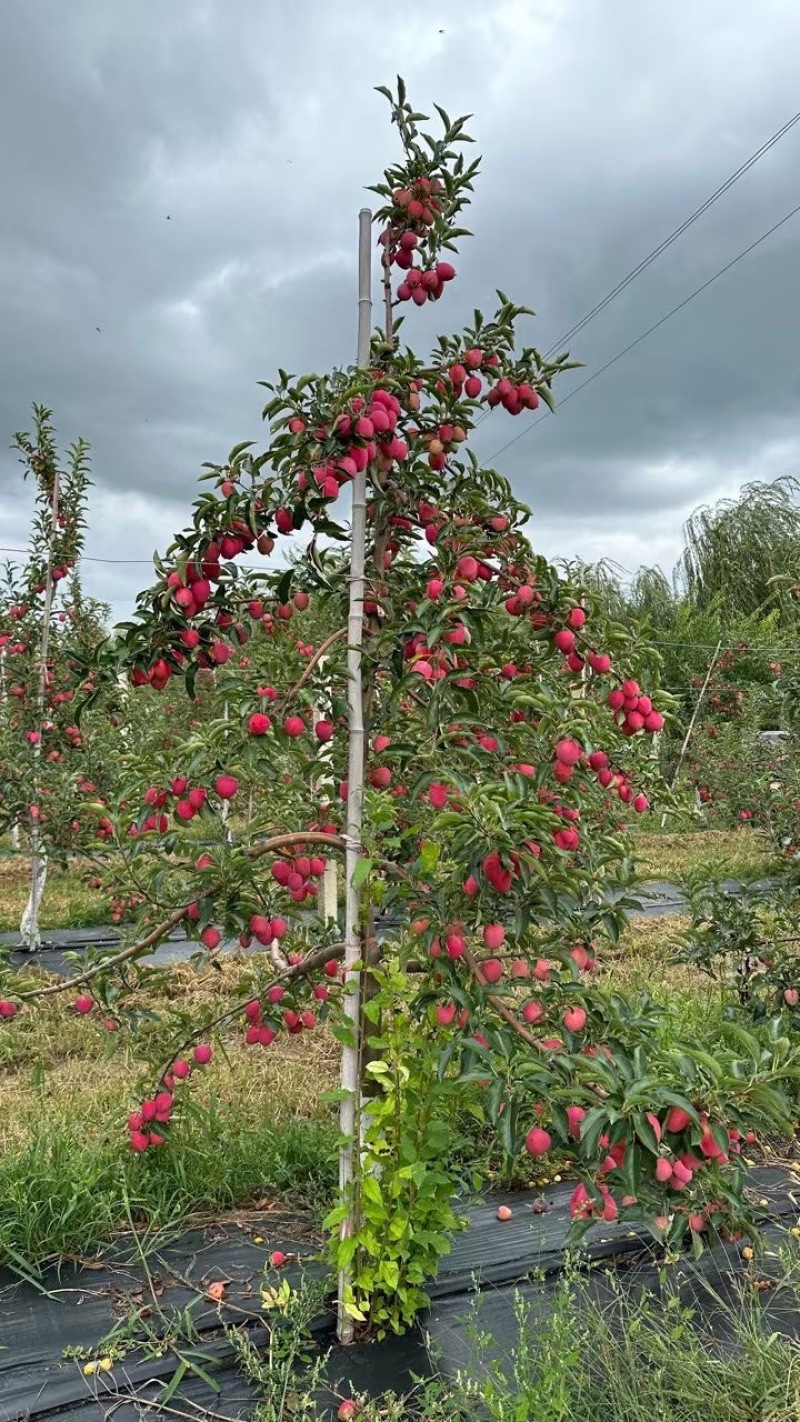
<point x="744" y="553"/>
<point x="50" y="765"/>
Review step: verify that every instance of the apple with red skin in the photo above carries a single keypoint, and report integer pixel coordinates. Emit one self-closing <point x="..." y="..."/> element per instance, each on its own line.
<point x="538" y="1141"/>
<point x="574" y="1019"/>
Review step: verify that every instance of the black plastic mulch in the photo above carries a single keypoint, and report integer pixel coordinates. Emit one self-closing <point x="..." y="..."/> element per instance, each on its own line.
<point x="490" y="1262"/>
<point x="655" y="899"/>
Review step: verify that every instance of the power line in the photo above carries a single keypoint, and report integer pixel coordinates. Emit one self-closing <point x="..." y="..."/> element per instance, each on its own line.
<point x="673" y="236"/>
<point x="85" y="557"/>
<point x="606" y="300"/>
<point x="658" y="251"/>
<point x="141" y="562"/>
<point x="148" y="562"/>
<point x="656" y="324"/>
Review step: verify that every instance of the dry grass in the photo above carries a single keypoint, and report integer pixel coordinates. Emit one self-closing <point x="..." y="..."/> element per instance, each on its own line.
<point x="249" y="1126"/>
<point x="642" y="961"/>
<point x="734" y="854"/>
<point x="251" y="1123"/>
<point x="738" y="854"/>
<point x="644" y="942"/>
<point x="51" y="1037"/>
<point x="68" y="901"/>
<point x="248" y="1083"/>
<point x="54" y="1061"/>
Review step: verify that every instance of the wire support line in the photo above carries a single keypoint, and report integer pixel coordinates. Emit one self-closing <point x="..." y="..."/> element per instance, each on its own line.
<point x="663" y="246"/>
<point x="651" y="329"/>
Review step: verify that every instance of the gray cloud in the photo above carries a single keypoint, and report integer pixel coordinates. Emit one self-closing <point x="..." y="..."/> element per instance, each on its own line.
<point x="186" y="178"/>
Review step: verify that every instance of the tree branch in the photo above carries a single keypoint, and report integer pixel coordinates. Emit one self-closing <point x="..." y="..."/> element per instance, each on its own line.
<point x="318" y="655"/>
<point x="500" y="1006"/>
<point x="278" y="841"/>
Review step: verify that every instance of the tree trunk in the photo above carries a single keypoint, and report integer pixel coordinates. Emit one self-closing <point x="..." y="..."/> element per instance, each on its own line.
<point x="349" y="1113"/>
<point x="330" y="892"/>
<point x="29" y="923"/>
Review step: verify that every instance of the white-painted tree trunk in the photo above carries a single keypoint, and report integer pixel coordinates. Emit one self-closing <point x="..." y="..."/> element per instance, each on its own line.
<point x="349" y="1112"/>
<point x="225" y="808"/>
<point x="29" y="933"/>
<point x="16" y="843"/>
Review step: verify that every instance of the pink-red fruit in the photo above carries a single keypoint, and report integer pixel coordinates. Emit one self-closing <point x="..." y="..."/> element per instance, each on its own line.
<point x="538" y="1141"/>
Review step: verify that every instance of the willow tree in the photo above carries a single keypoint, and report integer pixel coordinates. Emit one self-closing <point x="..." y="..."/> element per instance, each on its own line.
<point x="742" y="555"/>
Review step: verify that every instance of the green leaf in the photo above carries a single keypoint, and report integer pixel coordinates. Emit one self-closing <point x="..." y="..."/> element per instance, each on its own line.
<point x="362" y="872"/>
<point x="645" y="1132"/>
<point x="339" y="1093"/>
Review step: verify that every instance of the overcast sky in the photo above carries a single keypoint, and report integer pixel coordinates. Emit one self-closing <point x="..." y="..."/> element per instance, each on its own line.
<point x="186" y="177"/>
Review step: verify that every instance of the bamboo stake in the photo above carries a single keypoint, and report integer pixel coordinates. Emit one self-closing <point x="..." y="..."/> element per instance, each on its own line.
<point x="698" y="704"/>
<point x="349" y="1108"/>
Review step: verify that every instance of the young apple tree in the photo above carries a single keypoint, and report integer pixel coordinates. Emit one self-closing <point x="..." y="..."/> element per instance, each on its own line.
<point x="484" y="736"/>
<point x="51" y="766"/>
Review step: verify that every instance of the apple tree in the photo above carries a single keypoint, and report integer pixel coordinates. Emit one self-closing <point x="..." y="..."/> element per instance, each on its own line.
<point x="419" y="694"/>
<point x="53" y="762"/>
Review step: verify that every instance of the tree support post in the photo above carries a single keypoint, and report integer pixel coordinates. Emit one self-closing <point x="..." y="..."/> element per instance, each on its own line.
<point x="349" y="1111"/>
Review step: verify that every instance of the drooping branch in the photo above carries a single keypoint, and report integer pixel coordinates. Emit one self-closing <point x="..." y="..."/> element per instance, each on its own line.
<point x="155" y="936"/>
<point x="317" y="657"/>
<point x="150" y="940"/>
<point x="312" y="961"/>
<point x="500" y="1006"/>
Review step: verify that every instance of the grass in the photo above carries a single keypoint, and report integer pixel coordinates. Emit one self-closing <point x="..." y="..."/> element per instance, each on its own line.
<point x="252" y="1128"/>
<point x="68" y="901"/>
<point x="727" y="854"/>
<point x="599" y="1352"/>
<point x="583" y="1348"/>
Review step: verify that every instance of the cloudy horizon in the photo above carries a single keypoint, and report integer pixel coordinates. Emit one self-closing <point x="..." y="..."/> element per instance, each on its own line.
<point x="181" y="189"/>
